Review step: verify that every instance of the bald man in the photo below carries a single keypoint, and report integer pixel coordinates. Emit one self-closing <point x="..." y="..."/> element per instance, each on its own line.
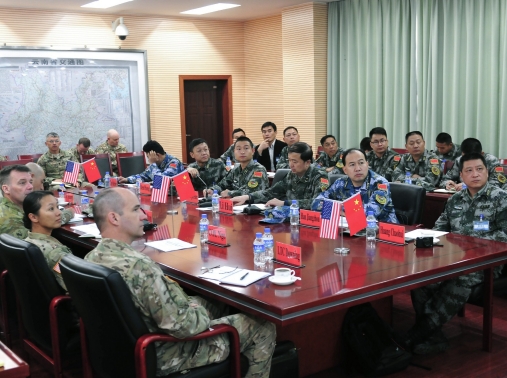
<point x="112" y="146"/>
<point x="38" y="175"/>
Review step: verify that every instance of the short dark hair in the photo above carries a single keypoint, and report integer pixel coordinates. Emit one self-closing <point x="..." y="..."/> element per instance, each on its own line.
<point x="194" y="143"/>
<point x="344" y="155"/>
<point x="408" y="135"/>
<point x="243" y="139"/>
<point x="471" y="156"/>
<point x="52" y="135"/>
<point x="288" y="128"/>
<point x="31" y="205"/>
<point x="5" y="173"/>
<point x="378" y="131"/>
<point x="470" y="145"/>
<point x="365" y="144"/>
<point x="444" y="138"/>
<point x="153" y="145"/>
<point x="107" y="200"/>
<point x="267" y="124"/>
<point x="303" y="149"/>
<point x="238" y="130"/>
<point x="84" y="141"/>
<point x="324" y="138"/>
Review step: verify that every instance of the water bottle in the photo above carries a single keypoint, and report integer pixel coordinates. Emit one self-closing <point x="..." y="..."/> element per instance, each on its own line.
<point x="107" y="180"/>
<point x="259" y="250"/>
<point x="214" y="201"/>
<point x="371" y="227"/>
<point x="294" y="235"/>
<point x="228" y="164"/>
<point x="138" y="185"/>
<point x="294" y="213"/>
<point x="268" y="243"/>
<point x="61" y="194"/>
<point x="463" y="186"/>
<point x="203" y="227"/>
<point x="443" y="166"/>
<point x="408" y="179"/>
<point x="85" y="201"/>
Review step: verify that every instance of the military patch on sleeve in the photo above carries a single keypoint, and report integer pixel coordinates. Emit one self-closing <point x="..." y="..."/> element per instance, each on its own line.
<point x="257" y="174"/>
<point x="499" y="169"/>
<point x="501" y="178"/>
<point x="381" y="199"/>
<point x="382" y="187"/>
<point x="397" y="158"/>
<point x="433" y="161"/>
<point x="324" y="181"/>
<point x="172" y="165"/>
<point x="339" y="164"/>
<point x="435" y="171"/>
<point x="252" y="184"/>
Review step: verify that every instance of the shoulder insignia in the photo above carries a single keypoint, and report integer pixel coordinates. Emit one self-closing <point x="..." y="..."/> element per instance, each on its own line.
<point x="381" y="199"/>
<point x="252" y="184"/>
<point x="257" y="174"/>
<point x="339" y="164"/>
<point x="324" y="187"/>
<point x="382" y="187"/>
<point x="499" y="169"/>
<point x="324" y="181"/>
<point x="397" y="158"/>
<point x="433" y="161"/>
<point x="501" y="178"/>
<point x="172" y="165"/>
<point x="435" y="171"/>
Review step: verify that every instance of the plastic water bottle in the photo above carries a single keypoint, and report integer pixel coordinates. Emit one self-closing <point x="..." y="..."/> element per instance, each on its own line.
<point x="408" y="179"/>
<point x="138" y="185"/>
<point x="61" y="194"/>
<point x="259" y="250"/>
<point x="85" y="201"/>
<point x="203" y="227"/>
<point x="464" y="186"/>
<point x="214" y="201"/>
<point x="294" y="213"/>
<point x="371" y="227"/>
<point x="268" y="243"/>
<point x="443" y="165"/>
<point x="228" y="164"/>
<point x="107" y="180"/>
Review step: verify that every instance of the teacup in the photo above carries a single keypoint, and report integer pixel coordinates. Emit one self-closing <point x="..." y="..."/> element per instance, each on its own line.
<point x="284" y="274"/>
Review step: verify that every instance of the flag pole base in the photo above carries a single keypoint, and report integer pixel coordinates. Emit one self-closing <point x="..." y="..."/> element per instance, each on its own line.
<point x="342" y="251"/>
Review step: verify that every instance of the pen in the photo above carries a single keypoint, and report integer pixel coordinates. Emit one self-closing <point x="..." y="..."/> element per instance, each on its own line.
<point x="246" y="274"/>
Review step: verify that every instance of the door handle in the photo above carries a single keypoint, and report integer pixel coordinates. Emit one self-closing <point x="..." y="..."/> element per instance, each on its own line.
<point x="188" y="135"/>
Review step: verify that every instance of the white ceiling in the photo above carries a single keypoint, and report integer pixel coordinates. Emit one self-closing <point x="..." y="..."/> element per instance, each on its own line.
<point x="249" y="9"/>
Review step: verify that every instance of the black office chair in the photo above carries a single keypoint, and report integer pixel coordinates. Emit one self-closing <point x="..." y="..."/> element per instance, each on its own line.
<point x="408" y="202"/>
<point x="335" y="176"/>
<point x="280" y="175"/>
<point x="103" y="162"/>
<point x="51" y="327"/>
<point x="130" y="163"/>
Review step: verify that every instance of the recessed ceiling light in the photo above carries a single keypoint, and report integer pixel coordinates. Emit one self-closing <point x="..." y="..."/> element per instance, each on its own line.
<point x="104" y="3"/>
<point x="211" y="8"/>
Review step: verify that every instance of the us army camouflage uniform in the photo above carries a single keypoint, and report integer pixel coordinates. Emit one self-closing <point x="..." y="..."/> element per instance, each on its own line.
<point x="212" y="172"/>
<point x="375" y="195"/>
<point x="105" y="148"/>
<point x="495" y="172"/>
<point x="166" y="308"/>
<point x="283" y="160"/>
<point x="53" y="252"/>
<point x="2" y="158"/>
<point x="54" y="165"/>
<point x="170" y="166"/>
<point x="324" y="161"/>
<point x="75" y="154"/>
<point x="304" y="188"/>
<point x="452" y="155"/>
<point x="442" y="300"/>
<point x="228" y="153"/>
<point x="384" y="165"/>
<point x="244" y="181"/>
<point x="428" y="167"/>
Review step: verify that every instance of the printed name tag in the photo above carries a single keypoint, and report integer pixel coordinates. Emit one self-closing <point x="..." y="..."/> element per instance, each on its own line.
<point x="391" y="232"/>
<point x="287" y="253"/>
<point x="113" y="182"/>
<point x="145" y="188"/>
<point x="69" y="197"/>
<point x="217" y="235"/>
<point x="310" y="218"/>
<point x="225" y="206"/>
<point x="481" y="225"/>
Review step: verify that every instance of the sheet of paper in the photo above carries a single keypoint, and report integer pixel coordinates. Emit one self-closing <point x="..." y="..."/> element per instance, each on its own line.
<point x="129" y="185"/>
<point x="88" y="229"/>
<point x="420" y="232"/>
<point x="232" y="276"/>
<point x="271" y="174"/>
<point x="204" y="208"/>
<point x="239" y="208"/>
<point x="77" y="218"/>
<point x="444" y="191"/>
<point x="170" y="245"/>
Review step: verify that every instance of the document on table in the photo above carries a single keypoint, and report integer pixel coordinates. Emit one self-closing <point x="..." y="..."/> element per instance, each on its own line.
<point x="424" y="232"/>
<point x="239" y="208"/>
<point x="90" y="230"/>
<point x="444" y="191"/>
<point x="234" y="276"/>
<point x="77" y="218"/>
<point x="170" y="245"/>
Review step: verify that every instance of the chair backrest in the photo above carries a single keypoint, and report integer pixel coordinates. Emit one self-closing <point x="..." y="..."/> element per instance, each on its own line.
<point x="8" y="163"/>
<point x="503" y="161"/>
<point x="103" y="162"/>
<point x="112" y="322"/>
<point x="130" y="163"/>
<point x="35" y="287"/>
<point x="280" y="175"/>
<point x="335" y="176"/>
<point x="31" y="157"/>
<point x="448" y="165"/>
<point x="408" y="202"/>
<point x="319" y="150"/>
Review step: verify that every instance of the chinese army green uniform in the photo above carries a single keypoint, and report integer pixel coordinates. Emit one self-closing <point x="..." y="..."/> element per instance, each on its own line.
<point x="212" y="172"/>
<point x="241" y="181"/>
<point x="384" y="165"/>
<point x="324" y="161"/>
<point x="53" y="252"/>
<point x="228" y="154"/>
<point x="452" y="155"/>
<point x="495" y="171"/>
<point x="428" y="167"/>
<point x="75" y="154"/>
<point x="283" y="160"/>
<point x="54" y="165"/>
<point x="105" y="148"/>
<point x="166" y="308"/>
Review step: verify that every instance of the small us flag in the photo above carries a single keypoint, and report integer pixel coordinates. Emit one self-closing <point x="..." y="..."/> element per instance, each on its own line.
<point x="71" y="172"/>
<point x="161" y="233"/>
<point x="160" y="189"/>
<point x="330" y="219"/>
<point x="77" y="209"/>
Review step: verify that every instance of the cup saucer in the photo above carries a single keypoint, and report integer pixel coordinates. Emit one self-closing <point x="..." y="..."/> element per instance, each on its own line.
<point x="283" y="280"/>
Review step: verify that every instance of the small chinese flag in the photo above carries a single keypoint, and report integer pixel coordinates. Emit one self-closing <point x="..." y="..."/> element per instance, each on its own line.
<point x="184" y="186"/>
<point x="354" y="212"/>
<point x="91" y="170"/>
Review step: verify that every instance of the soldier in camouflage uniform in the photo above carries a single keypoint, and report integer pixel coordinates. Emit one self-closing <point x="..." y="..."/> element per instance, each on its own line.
<point x="3" y="158"/>
<point x="303" y="183"/>
<point x="381" y="159"/>
<point x="205" y="171"/>
<point x="423" y="166"/>
<point x="112" y="146"/>
<point x="479" y="211"/>
<point x="163" y="304"/>
<point x="82" y="148"/>
<point x="330" y="160"/>
<point x="445" y="149"/>
<point x="236" y="133"/>
<point x="249" y="177"/>
<point x="374" y="188"/>
<point x="290" y="136"/>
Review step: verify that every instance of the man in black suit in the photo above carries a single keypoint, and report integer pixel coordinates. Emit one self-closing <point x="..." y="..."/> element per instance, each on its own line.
<point x="268" y="152"/>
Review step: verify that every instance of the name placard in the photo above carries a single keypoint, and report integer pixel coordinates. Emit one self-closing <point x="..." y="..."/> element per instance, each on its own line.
<point x="217" y="235"/>
<point x="225" y="206"/>
<point x="287" y="253"/>
<point x="149" y="215"/>
<point x="391" y="232"/>
<point x="145" y="189"/>
<point x="68" y="197"/>
<point x="113" y="182"/>
<point x="309" y="218"/>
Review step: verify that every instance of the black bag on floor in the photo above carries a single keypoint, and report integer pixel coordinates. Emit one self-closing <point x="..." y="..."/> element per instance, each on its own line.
<point x="285" y="362"/>
<point x="369" y="345"/>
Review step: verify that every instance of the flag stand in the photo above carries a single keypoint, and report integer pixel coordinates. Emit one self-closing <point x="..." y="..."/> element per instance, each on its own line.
<point x="342" y="250"/>
<point x="172" y="212"/>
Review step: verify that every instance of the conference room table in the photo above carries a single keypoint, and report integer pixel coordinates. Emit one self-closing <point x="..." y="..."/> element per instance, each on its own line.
<point x="310" y="311"/>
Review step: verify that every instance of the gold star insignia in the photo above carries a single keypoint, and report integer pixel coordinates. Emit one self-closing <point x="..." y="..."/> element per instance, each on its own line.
<point x="356" y="202"/>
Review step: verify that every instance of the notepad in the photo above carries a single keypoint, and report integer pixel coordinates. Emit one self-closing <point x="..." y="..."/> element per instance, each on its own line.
<point x="232" y="276"/>
<point x="169" y="245"/>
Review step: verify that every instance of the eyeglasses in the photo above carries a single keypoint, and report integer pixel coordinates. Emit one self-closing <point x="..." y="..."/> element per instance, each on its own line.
<point x="381" y="141"/>
<point x="53" y="141"/>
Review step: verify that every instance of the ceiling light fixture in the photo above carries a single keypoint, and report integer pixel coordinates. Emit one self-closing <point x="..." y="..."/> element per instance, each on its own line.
<point x="211" y="8"/>
<point x="103" y="4"/>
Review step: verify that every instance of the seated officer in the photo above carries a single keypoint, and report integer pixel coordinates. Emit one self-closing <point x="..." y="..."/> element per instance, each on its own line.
<point x="160" y="164"/>
<point x="452" y="181"/>
<point x="290" y="136"/>
<point x="38" y="175"/>
<point x="422" y="165"/>
<point x="382" y="160"/>
<point x="330" y="159"/>
<point x="479" y="211"/>
<point x="165" y="307"/>
<point x="374" y="188"/>
<point x="248" y="177"/>
<point x="205" y="171"/>
<point x="445" y="149"/>
<point x="236" y="133"/>
<point x="82" y="148"/>
<point x="268" y="152"/>
<point x="303" y="183"/>
<point x="112" y="146"/>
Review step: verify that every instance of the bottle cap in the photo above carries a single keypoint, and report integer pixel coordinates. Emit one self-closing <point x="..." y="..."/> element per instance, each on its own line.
<point x="215" y="191"/>
<point x="370" y="213"/>
<point x="267" y="230"/>
<point x="204" y="216"/>
<point x="83" y="191"/>
<point x="96" y="192"/>
<point x="258" y="235"/>
<point x="107" y="172"/>
<point x="294" y="202"/>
